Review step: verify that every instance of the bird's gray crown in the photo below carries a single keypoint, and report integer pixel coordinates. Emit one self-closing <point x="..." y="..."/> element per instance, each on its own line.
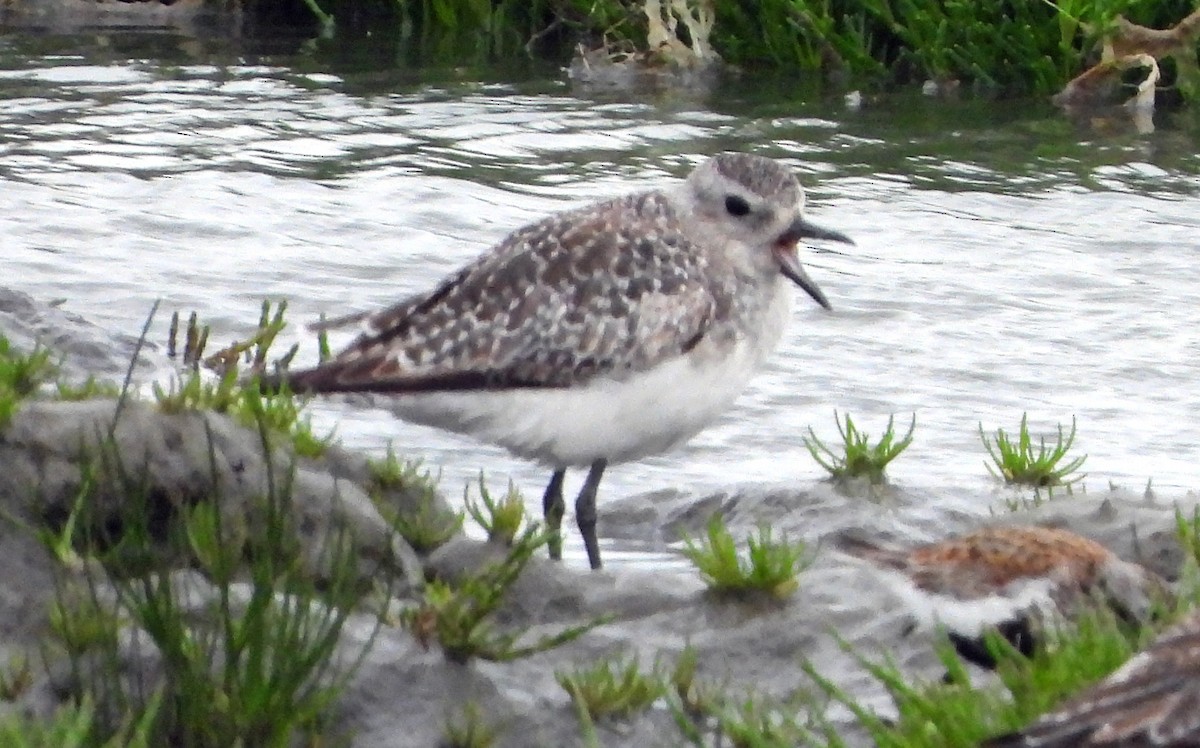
<point x="764" y="177"/>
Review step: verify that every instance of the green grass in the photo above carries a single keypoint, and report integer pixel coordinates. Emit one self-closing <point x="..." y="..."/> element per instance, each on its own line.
<point x="234" y="390"/>
<point x="392" y="473"/>
<point x="74" y="725"/>
<point x="501" y="519"/>
<point x="614" y="687"/>
<point x="459" y="617"/>
<point x="15" y="678"/>
<point x="769" y="567"/>
<point x="689" y="698"/>
<point x="1187" y="529"/>
<point x="260" y="663"/>
<point x="422" y="518"/>
<point x="707" y="714"/>
<point x="1008" y="47"/>
<point x="1019" y="462"/>
<point x="21" y="374"/>
<point x="254" y="352"/>
<point x="758" y="723"/>
<point x="469" y="729"/>
<point x="951" y="712"/>
<point x="280" y="411"/>
<point x="859" y="458"/>
<point x="257" y="664"/>
<point x="90" y="389"/>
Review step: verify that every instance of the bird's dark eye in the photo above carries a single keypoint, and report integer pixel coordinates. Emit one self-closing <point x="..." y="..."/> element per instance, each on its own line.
<point x="737" y="206"/>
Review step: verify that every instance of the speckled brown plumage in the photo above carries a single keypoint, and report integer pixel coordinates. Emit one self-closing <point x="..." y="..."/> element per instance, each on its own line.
<point x="1153" y="701"/>
<point x="981" y="561"/>
<point x="996" y="556"/>
<point x="598" y="335"/>
<point x="613" y="287"/>
<point x="1010" y="578"/>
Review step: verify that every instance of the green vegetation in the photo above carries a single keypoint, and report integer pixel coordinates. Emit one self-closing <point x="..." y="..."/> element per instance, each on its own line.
<point x="1018" y="462"/>
<point x="689" y="695"/>
<point x="756" y="722"/>
<point x="90" y="389"/>
<point x="254" y="350"/>
<point x="859" y="459"/>
<point x="458" y="617"/>
<point x="469" y="730"/>
<point x="1187" y="529"/>
<point x="613" y="687"/>
<point x="225" y="678"/>
<point x="393" y="474"/>
<point x="501" y="519"/>
<point x="16" y="678"/>
<point x="423" y="519"/>
<point x="74" y="726"/>
<point x="770" y="566"/>
<point x="280" y="411"/>
<point x="23" y="374"/>
<point x="232" y="392"/>
<point x="224" y="675"/>
<point x="431" y="526"/>
<point x="20" y="376"/>
<point x="1009" y="46"/>
<point x="952" y="713"/>
<point x="706" y="714"/>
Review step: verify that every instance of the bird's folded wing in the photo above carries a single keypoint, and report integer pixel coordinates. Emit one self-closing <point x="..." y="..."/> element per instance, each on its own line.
<point x="557" y="303"/>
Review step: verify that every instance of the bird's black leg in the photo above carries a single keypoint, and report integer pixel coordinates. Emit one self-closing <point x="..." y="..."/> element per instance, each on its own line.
<point x="585" y="511"/>
<point x="553" y="509"/>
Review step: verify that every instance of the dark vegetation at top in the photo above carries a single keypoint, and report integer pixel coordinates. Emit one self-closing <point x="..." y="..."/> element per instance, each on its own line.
<point x="996" y="46"/>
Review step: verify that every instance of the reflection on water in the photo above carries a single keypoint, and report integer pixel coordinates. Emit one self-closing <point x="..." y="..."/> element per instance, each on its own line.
<point x="1008" y="259"/>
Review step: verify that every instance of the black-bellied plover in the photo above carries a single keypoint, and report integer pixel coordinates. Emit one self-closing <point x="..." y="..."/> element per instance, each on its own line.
<point x="597" y="335"/>
<point x="1013" y="579"/>
<point x="1152" y="701"/>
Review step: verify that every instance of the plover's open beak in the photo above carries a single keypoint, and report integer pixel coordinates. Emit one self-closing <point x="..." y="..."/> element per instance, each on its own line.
<point x="789" y="262"/>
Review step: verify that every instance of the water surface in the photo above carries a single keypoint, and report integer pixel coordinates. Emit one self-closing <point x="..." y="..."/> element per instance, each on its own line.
<point x="1007" y="260"/>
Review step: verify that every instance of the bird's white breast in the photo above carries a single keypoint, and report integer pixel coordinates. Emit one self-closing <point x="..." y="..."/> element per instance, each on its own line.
<point x="619" y="419"/>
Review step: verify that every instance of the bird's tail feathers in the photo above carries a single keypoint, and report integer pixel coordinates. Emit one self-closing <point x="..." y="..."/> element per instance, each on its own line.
<point x="346" y="320"/>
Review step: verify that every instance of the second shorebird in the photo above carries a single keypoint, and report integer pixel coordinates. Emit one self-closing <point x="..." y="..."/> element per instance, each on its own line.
<point x="1014" y="579"/>
<point x="597" y="335"/>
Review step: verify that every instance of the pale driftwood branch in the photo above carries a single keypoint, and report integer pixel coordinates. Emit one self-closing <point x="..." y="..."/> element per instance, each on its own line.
<point x="1130" y="45"/>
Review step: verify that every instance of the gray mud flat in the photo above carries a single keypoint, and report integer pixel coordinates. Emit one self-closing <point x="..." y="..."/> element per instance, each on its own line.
<point x="405" y="690"/>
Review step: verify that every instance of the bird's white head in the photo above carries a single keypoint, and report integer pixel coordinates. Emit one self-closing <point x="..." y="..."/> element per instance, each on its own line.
<point x="754" y="206"/>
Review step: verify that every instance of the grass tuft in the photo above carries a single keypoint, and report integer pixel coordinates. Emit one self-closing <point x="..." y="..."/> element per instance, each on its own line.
<point x="613" y="687"/>
<point x="75" y="725"/>
<point x="1018" y="462"/>
<point x="1187" y="529"/>
<point x="423" y="519"/>
<point x="469" y="730"/>
<point x="500" y="519"/>
<point x="280" y="411"/>
<point x="950" y="712"/>
<point x="16" y="678"/>
<point x="757" y="723"/>
<point x="392" y="473"/>
<point x="859" y="458"/>
<point x="21" y="374"/>
<point x="770" y="567"/>
<point x="233" y="394"/>
<point x="458" y="618"/>
<point x="89" y="389"/>
<point x="259" y="660"/>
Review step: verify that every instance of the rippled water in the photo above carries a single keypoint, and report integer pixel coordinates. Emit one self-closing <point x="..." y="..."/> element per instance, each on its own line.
<point x="1008" y="260"/>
